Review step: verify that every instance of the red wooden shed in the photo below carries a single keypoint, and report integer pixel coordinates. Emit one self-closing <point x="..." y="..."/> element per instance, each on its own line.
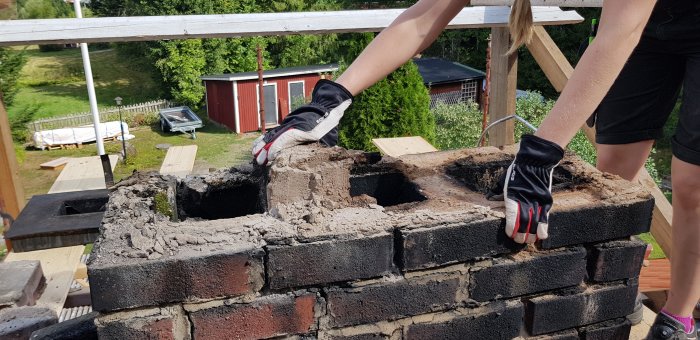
<point x="232" y="99"/>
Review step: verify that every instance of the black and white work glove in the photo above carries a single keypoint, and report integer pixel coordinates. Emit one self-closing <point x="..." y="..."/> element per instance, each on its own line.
<point x="313" y="122"/>
<point x="528" y="189"/>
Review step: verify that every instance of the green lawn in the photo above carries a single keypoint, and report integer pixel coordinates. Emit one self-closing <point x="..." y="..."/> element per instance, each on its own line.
<point x="53" y="83"/>
<point x="217" y="148"/>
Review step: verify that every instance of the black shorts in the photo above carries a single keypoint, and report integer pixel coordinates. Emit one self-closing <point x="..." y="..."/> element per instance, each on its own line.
<point x="646" y="91"/>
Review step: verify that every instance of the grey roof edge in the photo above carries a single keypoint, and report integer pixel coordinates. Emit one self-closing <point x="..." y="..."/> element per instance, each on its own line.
<point x="276" y="73"/>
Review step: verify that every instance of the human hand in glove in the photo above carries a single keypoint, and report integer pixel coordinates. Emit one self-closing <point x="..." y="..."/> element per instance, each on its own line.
<point x="528" y="189"/>
<point x="316" y="121"/>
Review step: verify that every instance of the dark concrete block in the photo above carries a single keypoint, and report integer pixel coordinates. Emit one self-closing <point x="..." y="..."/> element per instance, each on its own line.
<point x="181" y="279"/>
<point x="618" y="329"/>
<point x="615" y="260"/>
<point x="436" y="246"/>
<point x="330" y="261"/>
<point x="19" y="323"/>
<point x="21" y="283"/>
<point x="59" y="220"/>
<point x="82" y="328"/>
<point x="498" y="323"/>
<point x="528" y="273"/>
<point x="598" y="223"/>
<point x="390" y="301"/>
<point x="551" y="313"/>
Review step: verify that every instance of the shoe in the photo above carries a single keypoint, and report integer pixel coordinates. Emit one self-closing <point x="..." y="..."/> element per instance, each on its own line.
<point x="638" y="314"/>
<point x="668" y="328"/>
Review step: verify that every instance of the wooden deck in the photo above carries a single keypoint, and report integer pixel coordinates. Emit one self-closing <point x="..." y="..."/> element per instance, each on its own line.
<point x="656" y="276"/>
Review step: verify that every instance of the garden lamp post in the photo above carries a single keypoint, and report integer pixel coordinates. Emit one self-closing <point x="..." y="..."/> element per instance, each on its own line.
<point x="121" y="125"/>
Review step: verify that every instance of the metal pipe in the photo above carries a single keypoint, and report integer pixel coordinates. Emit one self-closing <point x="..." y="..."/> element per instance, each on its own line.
<point x="514" y="116"/>
<point x="90" y="86"/>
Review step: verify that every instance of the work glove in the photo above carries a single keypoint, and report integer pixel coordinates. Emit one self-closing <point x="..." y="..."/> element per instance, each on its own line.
<point x="316" y="121"/>
<point x="527" y="189"/>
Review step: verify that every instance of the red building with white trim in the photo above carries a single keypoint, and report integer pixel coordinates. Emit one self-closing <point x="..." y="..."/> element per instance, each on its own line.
<point x="232" y="99"/>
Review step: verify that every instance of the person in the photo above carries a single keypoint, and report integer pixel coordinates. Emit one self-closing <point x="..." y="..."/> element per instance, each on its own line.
<point x="630" y="116"/>
<point x="527" y="187"/>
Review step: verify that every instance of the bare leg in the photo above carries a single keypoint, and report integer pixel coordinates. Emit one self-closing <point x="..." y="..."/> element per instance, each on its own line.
<point x="413" y="31"/>
<point x="624" y="160"/>
<point x="685" y="266"/>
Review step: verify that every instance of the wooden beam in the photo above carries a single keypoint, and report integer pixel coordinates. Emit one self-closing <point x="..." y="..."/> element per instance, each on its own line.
<point x="554" y="64"/>
<point x="11" y="192"/>
<point x="59" y="31"/>
<point x="557" y="3"/>
<point x="504" y="76"/>
<point x="558" y="70"/>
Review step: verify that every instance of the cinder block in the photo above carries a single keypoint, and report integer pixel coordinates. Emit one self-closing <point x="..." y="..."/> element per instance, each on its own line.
<point x="615" y="260"/>
<point x="19" y="323"/>
<point x="551" y="313"/>
<point x="266" y="317"/>
<point x="618" y="329"/>
<point x="21" y="283"/>
<point x="599" y="223"/>
<point x="82" y="328"/>
<point x="390" y="301"/>
<point x="329" y="261"/>
<point x="440" y="245"/>
<point x="501" y="323"/>
<point x="130" y="284"/>
<point x="528" y="273"/>
<point x="167" y="323"/>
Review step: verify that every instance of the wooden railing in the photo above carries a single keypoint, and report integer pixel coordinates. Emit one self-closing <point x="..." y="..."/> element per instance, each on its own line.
<point x="111" y="114"/>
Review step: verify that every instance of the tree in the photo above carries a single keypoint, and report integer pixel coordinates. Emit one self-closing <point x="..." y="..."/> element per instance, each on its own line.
<point x="11" y="63"/>
<point x="396" y="106"/>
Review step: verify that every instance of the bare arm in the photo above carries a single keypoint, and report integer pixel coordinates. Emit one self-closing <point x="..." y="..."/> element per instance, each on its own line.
<point x="621" y="26"/>
<point x="414" y="30"/>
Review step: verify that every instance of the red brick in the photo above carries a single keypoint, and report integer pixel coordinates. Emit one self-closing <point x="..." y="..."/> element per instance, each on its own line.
<point x="496" y="322"/>
<point x="555" y="312"/>
<point x="206" y="276"/>
<point x="615" y="260"/>
<point x="266" y="317"/>
<point x="167" y="323"/>
<point x="391" y="301"/>
<point x="523" y="275"/>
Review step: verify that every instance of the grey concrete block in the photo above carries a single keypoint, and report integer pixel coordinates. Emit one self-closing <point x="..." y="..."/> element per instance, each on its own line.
<point x="21" y="283"/>
<point x="19" y="323"/>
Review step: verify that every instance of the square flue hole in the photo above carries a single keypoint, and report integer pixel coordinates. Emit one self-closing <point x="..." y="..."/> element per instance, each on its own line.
<point x="388" y="186"/>
<point x="225" y="200"/>
<point x="83" y="206"/>
<point x="483" y="177"/>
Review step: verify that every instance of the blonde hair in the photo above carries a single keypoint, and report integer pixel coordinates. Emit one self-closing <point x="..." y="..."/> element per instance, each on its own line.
<point x="520" y="24"/>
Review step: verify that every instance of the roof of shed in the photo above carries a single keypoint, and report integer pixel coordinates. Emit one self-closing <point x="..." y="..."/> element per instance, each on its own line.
<point x="276" y="73"/>
<point x="440" y="71"/>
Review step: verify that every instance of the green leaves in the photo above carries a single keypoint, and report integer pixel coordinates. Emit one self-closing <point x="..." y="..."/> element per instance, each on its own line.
<point x="11" y="63"/>
<point x="396" y="106"/>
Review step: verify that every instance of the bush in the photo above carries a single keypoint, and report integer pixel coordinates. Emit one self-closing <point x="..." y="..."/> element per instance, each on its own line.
<point x="457" y="125"/>
<point x="18" y="124"/>
<point x="396" y="106"/>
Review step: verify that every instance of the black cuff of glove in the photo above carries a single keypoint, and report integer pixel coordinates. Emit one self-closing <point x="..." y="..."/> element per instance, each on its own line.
<point x="539" y="152"/>
<point x="330" y="94"/>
